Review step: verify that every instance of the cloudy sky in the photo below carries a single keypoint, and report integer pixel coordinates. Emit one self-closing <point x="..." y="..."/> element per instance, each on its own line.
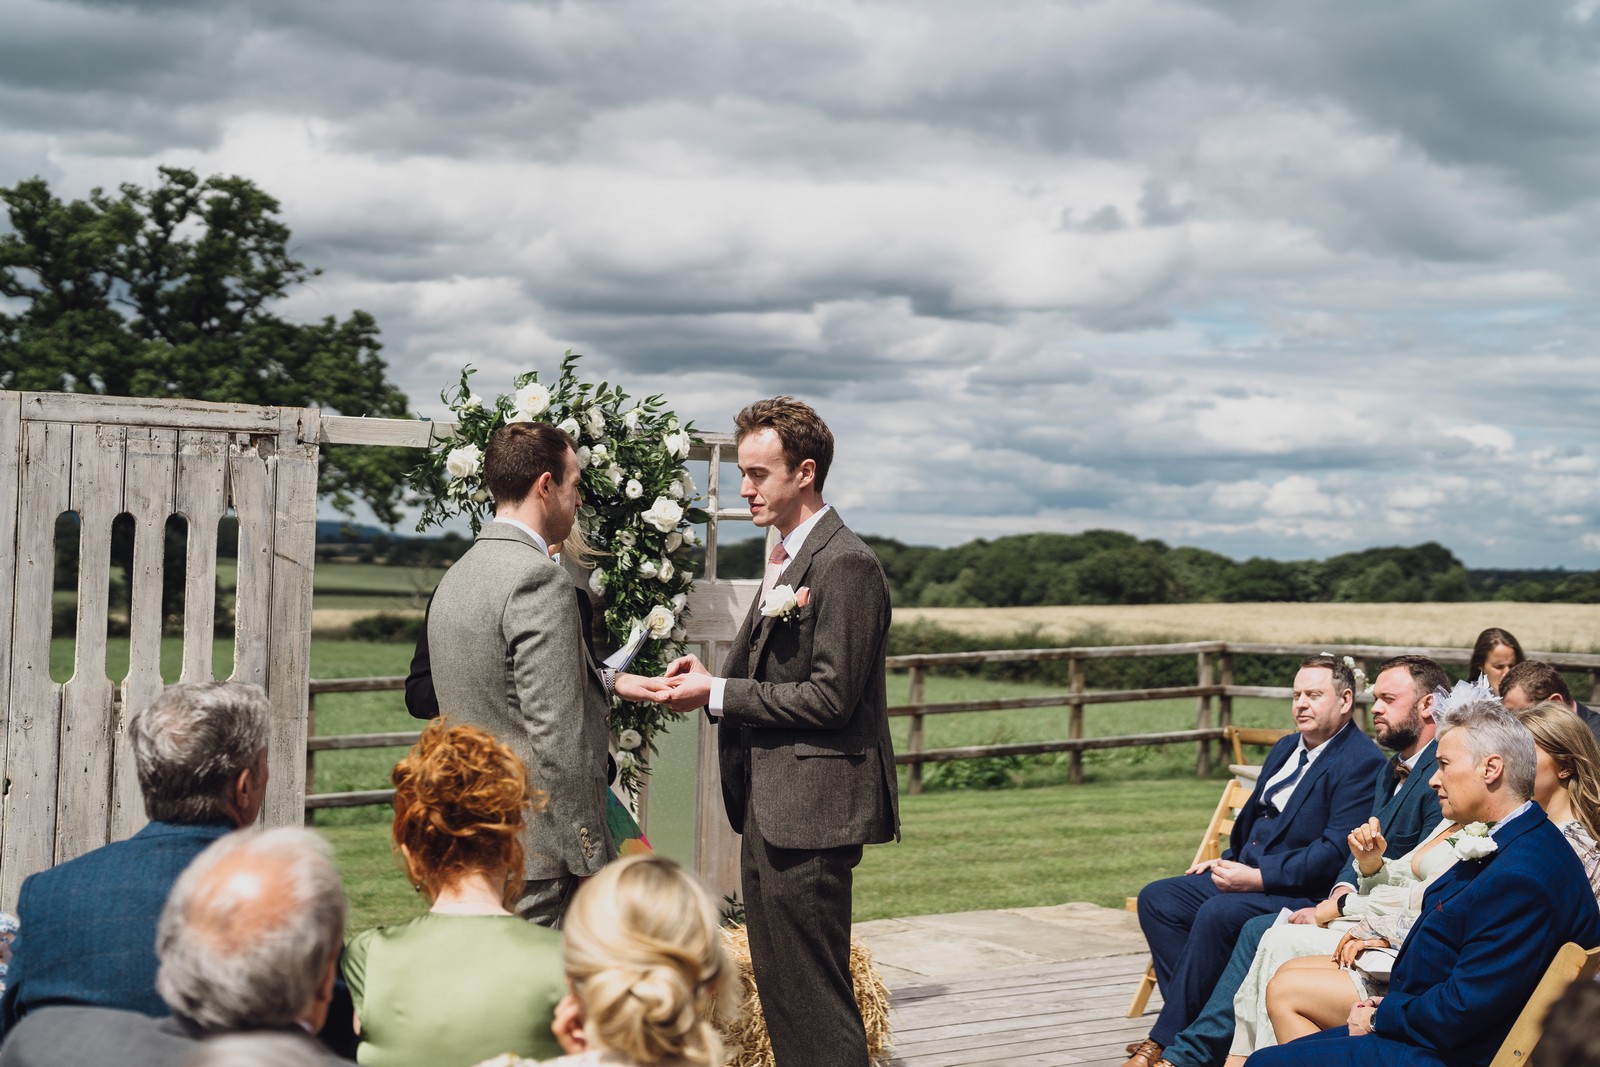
<point x="1270" y="278"/>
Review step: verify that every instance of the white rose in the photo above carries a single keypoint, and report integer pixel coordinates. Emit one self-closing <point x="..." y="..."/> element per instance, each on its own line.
<point x="680" y="601"/>
<point x="634" y="490"/>
<point x="628" y="740"/>
<point x="689" y="537"/>
<point x="647" y="569"/>
<point x="480" y="496"/>
<point x="473" y="402"/>
<point x="677" y="444"/>
<point x="569" y="426"/>
<point x="464" y="462"/>
<point x="601" y="453"/>
<point x="532" y="400"/>
<point x="626" y="761"/>
<point x="630" y="420"/>
<point x="672" y="422"/>
<point x="665" y="574"/>
<point x="627" y="538"/>
<point x="675" y="491"/>
<point x="660" y="621"/>
<point x="614" y="475"/>
<point x="674" y="539"/>
<point x="689" y="488"/>
<point x="597" y="582"/>
<point x="596" y="420"/>
<point x="664" y="514"/>
<point x="583" y="456"/>
<point x="779" y="602"/>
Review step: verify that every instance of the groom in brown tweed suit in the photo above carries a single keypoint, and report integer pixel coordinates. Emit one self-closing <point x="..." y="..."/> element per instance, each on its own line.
<point x="807" y="767"/>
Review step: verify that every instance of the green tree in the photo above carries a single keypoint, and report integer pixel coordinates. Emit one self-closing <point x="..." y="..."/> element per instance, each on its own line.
<point x="168" y="292"/>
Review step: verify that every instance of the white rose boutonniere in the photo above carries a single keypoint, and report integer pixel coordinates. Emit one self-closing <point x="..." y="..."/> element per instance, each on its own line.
<point x="782" y="601"/>
<point x="464" y="462"/>
<point x="1472" y="842"/>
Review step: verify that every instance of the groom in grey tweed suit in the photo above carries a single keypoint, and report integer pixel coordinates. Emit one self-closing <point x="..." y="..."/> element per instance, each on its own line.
<point x="807" y="767"/>
<point x="508" y="655"/>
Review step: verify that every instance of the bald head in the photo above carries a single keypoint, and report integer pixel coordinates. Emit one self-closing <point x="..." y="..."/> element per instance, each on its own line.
<point x="250" y="932"/>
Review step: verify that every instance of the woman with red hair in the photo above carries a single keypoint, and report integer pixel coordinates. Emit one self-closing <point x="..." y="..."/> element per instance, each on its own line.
<point x="468" y="979"/>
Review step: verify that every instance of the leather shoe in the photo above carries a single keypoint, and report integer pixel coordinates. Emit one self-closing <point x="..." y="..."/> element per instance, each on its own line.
<point x="1144" y="1053"/>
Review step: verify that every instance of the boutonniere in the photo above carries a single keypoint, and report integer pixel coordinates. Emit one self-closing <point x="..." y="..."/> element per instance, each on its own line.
<point x="782" y="601"/>
<point x="1472" y="842"/>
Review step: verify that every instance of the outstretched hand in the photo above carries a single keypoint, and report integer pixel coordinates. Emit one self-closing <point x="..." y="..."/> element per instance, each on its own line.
<point x="642" y="690"/>
<point x="690" y="690"/>
<point x="689" y="664"/>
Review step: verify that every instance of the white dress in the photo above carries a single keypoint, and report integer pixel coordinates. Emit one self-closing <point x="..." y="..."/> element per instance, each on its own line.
<point x="1393" y="893"/>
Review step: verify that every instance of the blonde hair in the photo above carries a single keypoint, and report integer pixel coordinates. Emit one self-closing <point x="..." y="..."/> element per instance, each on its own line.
<point x="644" y="955"/>
<point x="1568" y="741"/>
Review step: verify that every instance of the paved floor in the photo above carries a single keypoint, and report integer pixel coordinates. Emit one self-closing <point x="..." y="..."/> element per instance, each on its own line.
<point x="1029" y="987"/>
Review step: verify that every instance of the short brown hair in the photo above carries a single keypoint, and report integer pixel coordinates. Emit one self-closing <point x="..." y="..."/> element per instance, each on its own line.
<point x="460" y="799"/>
<point x="518" y="453"/>
<point x="800" y="430"/>
<point x="1538" y="680"/>
<point x="1343" y="677"/>
<point x="1425" y="674"/>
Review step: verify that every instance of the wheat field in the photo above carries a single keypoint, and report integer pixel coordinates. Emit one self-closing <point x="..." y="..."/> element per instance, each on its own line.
<point x="1543" y="627"/>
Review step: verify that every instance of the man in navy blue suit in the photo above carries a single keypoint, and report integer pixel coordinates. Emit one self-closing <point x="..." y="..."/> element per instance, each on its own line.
<point x="88" y="927"/>
<point x="1489" y="926"/>
<point x="1288" y="843"/>
<point x="1403" y="695"/>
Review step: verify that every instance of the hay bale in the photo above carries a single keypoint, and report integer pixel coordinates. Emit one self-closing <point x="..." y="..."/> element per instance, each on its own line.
<point x="746" y="1036"/>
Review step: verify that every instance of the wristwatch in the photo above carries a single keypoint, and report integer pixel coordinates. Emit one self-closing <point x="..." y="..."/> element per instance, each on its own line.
<point x="608" y="675"/>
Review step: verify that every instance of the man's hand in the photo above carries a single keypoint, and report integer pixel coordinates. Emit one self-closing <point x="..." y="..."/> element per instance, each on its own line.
<point x="1367" y="846"/>
<point x="568" y="1026"/>
<point x="689" y="664"/>
<point x="1234" y="877"/>
<point x="1202" y="867"/>
<point x="689" y="691"/>
<point x="1361" y="1013"/>
<point x="642" y="690"/>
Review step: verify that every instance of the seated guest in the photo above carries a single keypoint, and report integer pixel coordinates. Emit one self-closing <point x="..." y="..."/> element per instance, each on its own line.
<point x="88" y="926"/>
<point x="468" y="979"/>
<point x="1488" y="927"/>
<point x="1287" y="846"/>
<point x="248" y="942"/>
<point x="1532" y="681"/>
<point x="1404" y="693"/>
<point x="645" y="959"/>
<point x="1495" y="652"/>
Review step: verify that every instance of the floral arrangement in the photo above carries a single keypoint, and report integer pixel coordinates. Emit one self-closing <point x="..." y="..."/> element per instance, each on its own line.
<point x="1472" y="842"/>
<point x="636" y="513"/>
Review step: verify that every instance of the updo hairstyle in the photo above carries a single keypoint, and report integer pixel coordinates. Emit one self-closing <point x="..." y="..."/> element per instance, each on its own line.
<point x="644" y="955"/>
<point x="460" y="802"/>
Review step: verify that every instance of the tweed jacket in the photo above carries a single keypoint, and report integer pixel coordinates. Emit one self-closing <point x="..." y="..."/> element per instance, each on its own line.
<point x="507" y="655"/>
<point x="805" y="728"/>
<point x="87" y="927"/>
<point x="103" y="1037"/>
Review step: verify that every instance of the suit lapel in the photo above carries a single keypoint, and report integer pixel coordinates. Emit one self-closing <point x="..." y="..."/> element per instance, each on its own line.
<point x="1317" y="769"/>
<point x="1417" y="779"/>
<point x="794" y="576"/>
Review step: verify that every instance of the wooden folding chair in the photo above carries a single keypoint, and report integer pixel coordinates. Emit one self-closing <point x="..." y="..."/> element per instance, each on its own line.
<point x="1240" y="736"/>
<point x="1234" y="796"/>
<point x="1572" y="964"/>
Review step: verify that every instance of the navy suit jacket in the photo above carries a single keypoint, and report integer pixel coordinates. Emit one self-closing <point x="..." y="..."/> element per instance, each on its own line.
<point x="1405" y="816"/>
<point x="1303" y="848"/>
<point x="1487" y="931"/>
<point x="87" y="927"/>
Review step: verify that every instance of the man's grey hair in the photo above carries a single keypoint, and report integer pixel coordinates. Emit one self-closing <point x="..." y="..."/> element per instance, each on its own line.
<point x="1494" y="731"/>
<point x="250" y="930"/>
<point x="191" y="743"/>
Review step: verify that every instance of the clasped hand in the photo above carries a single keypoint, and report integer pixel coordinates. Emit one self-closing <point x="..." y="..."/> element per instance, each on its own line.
<point x="1230" y="876"/>
<point x="684" y="686"/>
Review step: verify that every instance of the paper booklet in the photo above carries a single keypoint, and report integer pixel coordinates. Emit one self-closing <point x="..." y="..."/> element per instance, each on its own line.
<point x="623" y="656"/>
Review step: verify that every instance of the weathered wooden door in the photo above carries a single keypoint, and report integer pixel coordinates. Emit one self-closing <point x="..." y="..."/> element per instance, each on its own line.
<point x="68" y="776"/>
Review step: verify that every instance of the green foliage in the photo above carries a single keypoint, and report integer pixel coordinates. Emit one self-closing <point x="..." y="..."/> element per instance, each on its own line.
<point x="166" y="292"/>
<point x="386" y="626"/>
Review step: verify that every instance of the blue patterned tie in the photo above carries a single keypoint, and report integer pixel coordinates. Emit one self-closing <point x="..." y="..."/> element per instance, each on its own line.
<point x="1270" y="800"/>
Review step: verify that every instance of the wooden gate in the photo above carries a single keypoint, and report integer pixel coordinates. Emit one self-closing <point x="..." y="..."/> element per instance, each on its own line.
<point x="68" y="775"/>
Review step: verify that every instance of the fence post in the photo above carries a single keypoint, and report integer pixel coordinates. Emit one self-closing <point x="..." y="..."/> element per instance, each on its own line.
<point x="1202" y="718"/>
<point x="1594" y="686"/>
<point x="311" y="757"/>
<point x="1225" y="701"/>
<point x="915" y="696"/>
<point x="1075" y="721"/>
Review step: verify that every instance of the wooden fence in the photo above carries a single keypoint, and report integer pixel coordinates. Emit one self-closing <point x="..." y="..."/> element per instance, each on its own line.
<point x="1213" y="682"/>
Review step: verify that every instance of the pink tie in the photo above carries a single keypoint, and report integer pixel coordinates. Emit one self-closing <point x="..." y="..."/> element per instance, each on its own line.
<point x="774" y="568"/>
